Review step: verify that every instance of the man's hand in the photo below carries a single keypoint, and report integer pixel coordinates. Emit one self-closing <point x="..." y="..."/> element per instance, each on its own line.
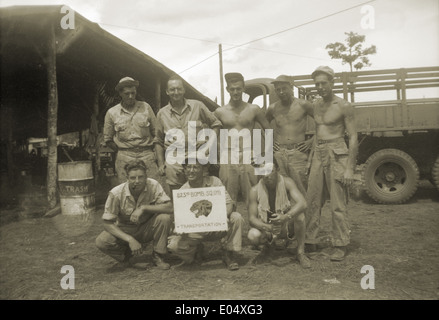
<point x="305" y="145"/>
<point x="135" y="246"/>
<point x="135" y="216"/>
<point x="161" y="169"/>
<point x="279" y="219"/>
<point x="348" y="177"/>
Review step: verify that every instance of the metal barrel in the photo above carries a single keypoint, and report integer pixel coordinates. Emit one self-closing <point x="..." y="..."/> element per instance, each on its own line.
<point x="76" y="187"/>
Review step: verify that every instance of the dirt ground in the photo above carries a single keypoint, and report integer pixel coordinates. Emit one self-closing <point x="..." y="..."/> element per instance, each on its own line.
<point x="398" y="241"/>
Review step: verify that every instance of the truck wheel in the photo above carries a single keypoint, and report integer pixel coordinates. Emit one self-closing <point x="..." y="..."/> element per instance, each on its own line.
<point x="435" y="173"/>
<point x="390" y="176"/>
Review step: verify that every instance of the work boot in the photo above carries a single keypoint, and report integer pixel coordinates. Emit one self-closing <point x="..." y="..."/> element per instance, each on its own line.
<point x="199" y="254"/>
<point x="338" y="254"/>
<point x="303" y="260"/>
<point x="265" y="254"/>
<point x="228" y="260"/>
<point x="159" y="262"/>
<point x="310" y="247"/>
<point x="133" y="263"/>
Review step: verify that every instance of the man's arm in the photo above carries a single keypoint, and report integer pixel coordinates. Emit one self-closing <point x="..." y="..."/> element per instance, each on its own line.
<point x="109" y="132"/>
<point x="112" y="208"/>
<point x="297" y="197"/>
<point x="261" y="119"/>
<point x="269" y="114"/>
<point x="112" y="228"/>
<point x="159" y="149"/>
<point x="253" y="218"/>
<point x="349" y="120"/>
<point x="308" y="107"/>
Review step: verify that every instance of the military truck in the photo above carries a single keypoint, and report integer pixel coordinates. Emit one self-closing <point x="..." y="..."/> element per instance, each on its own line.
<point x="397" y="120"/>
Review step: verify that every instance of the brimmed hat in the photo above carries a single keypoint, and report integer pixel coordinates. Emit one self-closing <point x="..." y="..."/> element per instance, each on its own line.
<point x="126" y="82"/>
<point x="233" y="77"/>
<point x="282" y="79"/>
<point x="323" y="69"/>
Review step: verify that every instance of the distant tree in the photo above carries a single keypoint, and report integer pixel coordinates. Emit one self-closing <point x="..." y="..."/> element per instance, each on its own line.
<point x="352" y="52"/>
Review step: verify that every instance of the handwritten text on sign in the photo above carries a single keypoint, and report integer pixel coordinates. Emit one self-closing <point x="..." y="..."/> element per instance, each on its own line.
<point x="200" y="210"/>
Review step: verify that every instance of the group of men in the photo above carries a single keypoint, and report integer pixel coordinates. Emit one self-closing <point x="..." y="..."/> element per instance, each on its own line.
<point x="284" y="202"/>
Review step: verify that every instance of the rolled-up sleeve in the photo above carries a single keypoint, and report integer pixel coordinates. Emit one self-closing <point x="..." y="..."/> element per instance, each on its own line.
<point x="159" y="135"/>
<point x="109" y="131"/>
<point x="112" y="206"/>
<point x="153" y="119"/>
<point x="160" y="195"/>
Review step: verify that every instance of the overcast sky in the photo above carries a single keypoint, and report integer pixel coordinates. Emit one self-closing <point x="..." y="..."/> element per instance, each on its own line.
<point x="182" y="33"/>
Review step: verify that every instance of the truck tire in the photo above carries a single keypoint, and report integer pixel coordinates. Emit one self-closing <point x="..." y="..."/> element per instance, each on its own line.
<point x="390" y="176"/>
<point x="435" y="173"/>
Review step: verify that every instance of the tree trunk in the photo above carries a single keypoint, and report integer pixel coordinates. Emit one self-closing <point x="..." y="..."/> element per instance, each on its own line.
<point x="52" y="116"/>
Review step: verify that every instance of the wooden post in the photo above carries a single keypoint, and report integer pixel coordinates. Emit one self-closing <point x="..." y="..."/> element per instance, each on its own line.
<point x="52" y="116"/>
<point x="158" y="94"/>
<point x="404" y="109"/>
<point x="9" y="148"/>
<point x="221" y="73"/>
<point x="97" y="145"/>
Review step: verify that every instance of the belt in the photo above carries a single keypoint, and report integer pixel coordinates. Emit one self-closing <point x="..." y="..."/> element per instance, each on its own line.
<point x="321" y="141"/>
<point x="135" y="149"/>
<point x="289" y="146"/>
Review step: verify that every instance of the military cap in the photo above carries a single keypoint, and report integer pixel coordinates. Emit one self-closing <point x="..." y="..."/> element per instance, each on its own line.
<point x="282" y="79"/>
<point x="233" y="77"/>
<point x="323" y="69"/>
<point x="126" y="82"/>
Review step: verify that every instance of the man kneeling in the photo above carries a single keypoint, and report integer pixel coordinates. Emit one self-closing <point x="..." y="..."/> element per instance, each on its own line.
<point x="189" y="247"/>
<point x="276" y="208"/>
<point x="136" y="212"/>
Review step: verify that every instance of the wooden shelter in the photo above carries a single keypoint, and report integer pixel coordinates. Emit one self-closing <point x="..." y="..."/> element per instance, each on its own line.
<point x="56" y="79"/>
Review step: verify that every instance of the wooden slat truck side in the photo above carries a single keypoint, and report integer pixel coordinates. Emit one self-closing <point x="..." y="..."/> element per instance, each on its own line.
<point x="398" y="134"/>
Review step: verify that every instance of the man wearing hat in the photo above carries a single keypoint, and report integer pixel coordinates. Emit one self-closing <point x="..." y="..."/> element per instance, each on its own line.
<point x="288" y="118"/>
<point x="333" y="163"/>
<point x="189" y="247"/>
<point x="176" y="115"/>
<point x="129" y="129"/>
<point x="238" y="114"/>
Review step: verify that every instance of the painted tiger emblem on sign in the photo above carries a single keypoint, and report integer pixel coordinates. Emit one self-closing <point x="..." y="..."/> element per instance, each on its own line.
<point x="201" y="208"/>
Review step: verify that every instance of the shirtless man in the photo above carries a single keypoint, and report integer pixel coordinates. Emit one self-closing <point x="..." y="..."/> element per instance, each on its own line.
<point x="288" y="119"/>
<point x="276" y="209"/>
<point x="239" y="115"/>
<point x="333" y="163"/>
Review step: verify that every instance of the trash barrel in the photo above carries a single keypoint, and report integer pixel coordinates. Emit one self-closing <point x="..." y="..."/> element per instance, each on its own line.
<point x="76" y="187"/>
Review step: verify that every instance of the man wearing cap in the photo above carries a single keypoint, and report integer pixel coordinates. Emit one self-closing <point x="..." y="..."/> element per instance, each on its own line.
<point x="176" y="115"/>
<point x="288" y="118"/>
<point x="189" y="247"/>
<point x="239" y="115"/>
<point x="129" y="129"/>
<point x="333" y="163"/>
<point x="276" y="209"/>
<point x="136" y="212"/>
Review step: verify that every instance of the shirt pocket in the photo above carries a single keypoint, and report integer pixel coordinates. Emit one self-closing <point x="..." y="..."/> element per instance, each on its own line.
<point x="120" y="125"/>
<point x="142" y="121"/>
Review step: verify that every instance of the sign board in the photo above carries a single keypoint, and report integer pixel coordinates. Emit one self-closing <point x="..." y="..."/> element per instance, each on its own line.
<point x="200" y="210"/>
